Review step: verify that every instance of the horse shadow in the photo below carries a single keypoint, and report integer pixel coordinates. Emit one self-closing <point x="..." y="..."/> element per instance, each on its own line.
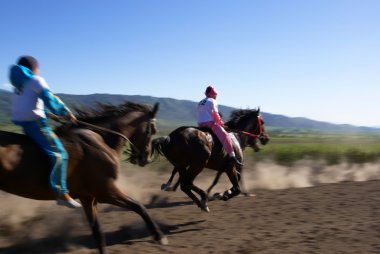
<point x="156" y="201"/>
<point x="131" y="234"/>
<point x="127" y="234"/>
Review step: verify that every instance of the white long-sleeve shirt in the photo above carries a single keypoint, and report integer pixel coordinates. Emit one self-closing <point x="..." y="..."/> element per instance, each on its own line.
<point x="205" y="110"/>
<point x="27" y="106"/>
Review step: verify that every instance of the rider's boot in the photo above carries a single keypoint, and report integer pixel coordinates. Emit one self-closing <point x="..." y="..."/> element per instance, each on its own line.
<point x="66" y="200"/>
<point x="234" y="161"/>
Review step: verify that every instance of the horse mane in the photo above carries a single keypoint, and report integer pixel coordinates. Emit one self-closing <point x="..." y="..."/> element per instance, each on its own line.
<point x="106" y="110"/>
<point x="102" y="111"/>
<point x="238" y="115"/>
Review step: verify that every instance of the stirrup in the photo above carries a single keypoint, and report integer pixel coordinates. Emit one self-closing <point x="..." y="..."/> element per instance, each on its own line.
<point x="233" y="160"/>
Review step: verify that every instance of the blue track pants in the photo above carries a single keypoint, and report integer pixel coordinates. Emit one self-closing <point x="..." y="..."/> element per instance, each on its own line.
<point x="42" y="134"/>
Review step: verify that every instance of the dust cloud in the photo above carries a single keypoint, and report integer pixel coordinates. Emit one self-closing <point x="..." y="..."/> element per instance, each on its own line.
<point x="142" y="183"/>
<point x="266" y="175"/>
<point x="21" y="219"/>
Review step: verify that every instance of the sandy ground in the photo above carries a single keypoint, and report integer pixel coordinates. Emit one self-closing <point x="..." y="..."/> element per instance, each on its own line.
<point x="309" y="208"/>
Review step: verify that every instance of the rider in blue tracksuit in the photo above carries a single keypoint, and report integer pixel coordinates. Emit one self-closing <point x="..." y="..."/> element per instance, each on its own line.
<point x="31" y="103"/>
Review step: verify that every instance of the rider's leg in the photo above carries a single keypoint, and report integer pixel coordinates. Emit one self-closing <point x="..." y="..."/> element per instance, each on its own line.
<point x="226" y="141"/>
<point x="41" y="133"/>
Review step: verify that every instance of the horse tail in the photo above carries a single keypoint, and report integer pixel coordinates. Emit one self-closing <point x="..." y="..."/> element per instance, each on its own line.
<point x="158" y="145"/>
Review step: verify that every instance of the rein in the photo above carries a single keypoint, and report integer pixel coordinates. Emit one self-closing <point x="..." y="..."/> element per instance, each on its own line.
<point x="110" y="131"/>
<point x="58" y="119"/>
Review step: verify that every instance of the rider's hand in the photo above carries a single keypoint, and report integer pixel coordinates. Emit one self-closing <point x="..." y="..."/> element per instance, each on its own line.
<point x="54" y="117"/>
<point x="71" y="118"/>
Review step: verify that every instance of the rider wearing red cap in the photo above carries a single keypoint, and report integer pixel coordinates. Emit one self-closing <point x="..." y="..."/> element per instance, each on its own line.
<point x="208" y="116"/>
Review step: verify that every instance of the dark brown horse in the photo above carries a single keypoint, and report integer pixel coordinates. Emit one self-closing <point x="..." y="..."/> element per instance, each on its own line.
<point x="253" y="143"/>
<point x="93" y="162"/>
<point x="190" y="149"/>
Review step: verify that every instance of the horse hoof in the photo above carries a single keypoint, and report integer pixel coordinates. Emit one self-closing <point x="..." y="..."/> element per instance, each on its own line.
<point x="205" y="209"/>
<point x="204" y="206"/>
<point x="164" y="241"/>
<point x="218" y="196"/>
<point x="166" y="187"/>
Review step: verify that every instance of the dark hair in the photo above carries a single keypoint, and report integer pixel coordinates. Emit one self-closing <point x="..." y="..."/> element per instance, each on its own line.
<point x="28" y="62"/>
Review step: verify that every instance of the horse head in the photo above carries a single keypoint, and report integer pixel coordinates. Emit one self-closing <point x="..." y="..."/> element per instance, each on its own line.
<point x="260" y="129"/>
<point x="250" y="127"/>
<point x="129" y="122"/>
<point x="142" y="138"/>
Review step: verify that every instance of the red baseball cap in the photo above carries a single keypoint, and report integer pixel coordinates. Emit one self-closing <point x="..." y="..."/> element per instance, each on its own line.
<point x="211" y="92"/>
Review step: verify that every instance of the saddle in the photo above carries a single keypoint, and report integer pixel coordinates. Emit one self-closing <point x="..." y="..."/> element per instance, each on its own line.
<point x="211" y="136"/>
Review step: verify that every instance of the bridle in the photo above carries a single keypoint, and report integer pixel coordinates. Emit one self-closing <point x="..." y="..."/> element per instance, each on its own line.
<point x="259" y="128"/>
<point x="135" y="152"/>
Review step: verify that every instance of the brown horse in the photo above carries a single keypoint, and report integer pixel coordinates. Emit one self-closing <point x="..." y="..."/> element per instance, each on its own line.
<point x="93" y="161"/>
<point x="191" y="149"/>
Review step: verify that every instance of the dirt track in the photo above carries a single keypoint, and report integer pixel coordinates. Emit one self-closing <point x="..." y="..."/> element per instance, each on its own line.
<point x="329" y="218"/>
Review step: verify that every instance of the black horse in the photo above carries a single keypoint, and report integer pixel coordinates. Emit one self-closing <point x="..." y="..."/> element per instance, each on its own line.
<point x="191" y="149"/>
<point x="253" y="143"/>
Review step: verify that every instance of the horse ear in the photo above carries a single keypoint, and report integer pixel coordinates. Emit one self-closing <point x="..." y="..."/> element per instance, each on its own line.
<point x="155" y="109"/>
<point x="258" y="110"/>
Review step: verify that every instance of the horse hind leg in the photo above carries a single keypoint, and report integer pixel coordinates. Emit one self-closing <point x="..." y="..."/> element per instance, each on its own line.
<point x="175" y="187"/>
<point x="90" y="209"/>
<point x="118" y="198"/>
<point x="187" y="178"/>
<point x="167" y="186"/>
<point x="204" y="197"/>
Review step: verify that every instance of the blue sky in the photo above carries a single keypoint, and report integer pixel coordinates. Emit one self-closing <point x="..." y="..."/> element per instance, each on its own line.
<point x="318" y="59"/>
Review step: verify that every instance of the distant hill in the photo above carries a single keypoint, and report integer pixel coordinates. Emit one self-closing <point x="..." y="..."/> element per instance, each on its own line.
<point x="174" y="113"/>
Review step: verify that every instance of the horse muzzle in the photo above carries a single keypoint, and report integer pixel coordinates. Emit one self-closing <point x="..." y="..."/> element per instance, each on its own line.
<point x="140" y="160"/>
<point x="264" y="139"/>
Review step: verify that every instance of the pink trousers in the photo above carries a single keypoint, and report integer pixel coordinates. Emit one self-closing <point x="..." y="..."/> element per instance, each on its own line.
<point x="222" y="135"/>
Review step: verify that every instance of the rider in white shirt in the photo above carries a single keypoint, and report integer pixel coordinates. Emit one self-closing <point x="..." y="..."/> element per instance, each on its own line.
<point x="208" y="116"/>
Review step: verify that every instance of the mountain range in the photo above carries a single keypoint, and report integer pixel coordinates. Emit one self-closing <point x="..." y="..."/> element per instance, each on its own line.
<point x="174" y="113"/>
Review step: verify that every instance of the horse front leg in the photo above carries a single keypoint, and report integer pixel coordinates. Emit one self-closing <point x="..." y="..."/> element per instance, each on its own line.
<point x="241" y="182"/>
<point x="118" y="198"/>
<point x="235" y="190"/>
<point x="90" y="209"/>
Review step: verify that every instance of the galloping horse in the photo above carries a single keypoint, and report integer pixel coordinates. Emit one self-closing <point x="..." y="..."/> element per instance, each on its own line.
<point x="93" y="161"/>
<point x="190" y="149"/>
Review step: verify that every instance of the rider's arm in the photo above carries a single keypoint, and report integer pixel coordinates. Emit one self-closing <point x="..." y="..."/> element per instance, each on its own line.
<point x="53" y="103"/>
<point x="215" y="113"/>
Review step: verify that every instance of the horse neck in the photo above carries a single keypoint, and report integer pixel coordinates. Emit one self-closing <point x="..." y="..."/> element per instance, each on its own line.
<point x="126" y="126"/>
<point x="115" y="141"/>
<point x="114" y="133"/>
<point x="242" y="138"/>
